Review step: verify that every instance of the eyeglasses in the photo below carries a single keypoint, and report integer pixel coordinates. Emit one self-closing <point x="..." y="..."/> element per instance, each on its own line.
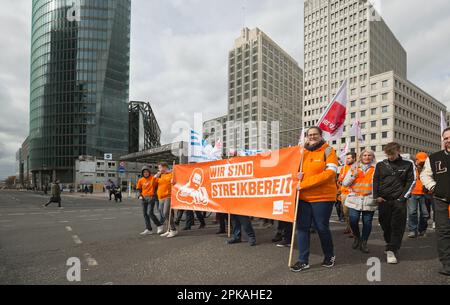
<point x="313" y="135"/>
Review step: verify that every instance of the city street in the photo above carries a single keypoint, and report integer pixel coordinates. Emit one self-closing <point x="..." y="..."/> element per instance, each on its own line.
<point x="35" y="244"/>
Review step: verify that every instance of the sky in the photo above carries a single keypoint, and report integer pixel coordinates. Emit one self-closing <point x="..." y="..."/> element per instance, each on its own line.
<point x="179" y="55"/>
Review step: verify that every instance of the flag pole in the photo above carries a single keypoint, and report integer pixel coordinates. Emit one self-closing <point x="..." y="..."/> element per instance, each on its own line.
<point x="170" y="212"/>
<point x="297" y="197"/>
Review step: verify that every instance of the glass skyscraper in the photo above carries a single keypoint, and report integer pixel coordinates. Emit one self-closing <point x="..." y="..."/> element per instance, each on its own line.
<point x="79" y="90"/>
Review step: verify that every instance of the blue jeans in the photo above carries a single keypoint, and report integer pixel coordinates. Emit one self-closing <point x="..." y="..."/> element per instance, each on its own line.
<point x="367" y="218"/>
<point x="148" y="207"/>
<point x="242" y="221"/>
<point x="319" y="213"/>
<point x="417" y="223"/>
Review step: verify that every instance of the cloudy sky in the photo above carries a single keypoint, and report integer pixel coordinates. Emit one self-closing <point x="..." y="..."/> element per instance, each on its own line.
<point x="179" y="54"/>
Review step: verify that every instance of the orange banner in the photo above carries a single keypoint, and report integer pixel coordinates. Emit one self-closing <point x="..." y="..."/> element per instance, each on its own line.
<point x="260" y="186"/>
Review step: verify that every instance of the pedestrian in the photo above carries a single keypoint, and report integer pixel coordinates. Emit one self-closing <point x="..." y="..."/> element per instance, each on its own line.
<point x="350" y="159"/>
<point x="360" y="201"/>
<point x="418" y="214"/>
<point x="318" y="191"/>
<point x="436" y="178"/>
<point x="393" y="181"/>
<point x="283" y="235"/>
<point x="222" y="219"/>
<point x="86" y="190"/>
<point x="55" y="194"/>
<point x="239" y="223"/>
<point x="146" y="188"/>
<point x="164" y="191"/>
<point x="190" y="220"/>
<point x="118" y="195"/>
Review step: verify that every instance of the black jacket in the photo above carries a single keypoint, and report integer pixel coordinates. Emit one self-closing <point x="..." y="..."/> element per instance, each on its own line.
<point x="394" y="180"/>
<point x="440" y="164"/>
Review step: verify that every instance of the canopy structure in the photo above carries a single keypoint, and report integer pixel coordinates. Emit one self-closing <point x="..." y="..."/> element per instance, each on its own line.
<point x="175" y="152"/>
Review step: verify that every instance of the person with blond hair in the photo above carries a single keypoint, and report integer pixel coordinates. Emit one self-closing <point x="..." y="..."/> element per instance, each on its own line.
<point x="359" y="200"/>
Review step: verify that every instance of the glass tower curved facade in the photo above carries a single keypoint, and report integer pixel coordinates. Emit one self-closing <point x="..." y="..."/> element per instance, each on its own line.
<point x="79" y="90"/>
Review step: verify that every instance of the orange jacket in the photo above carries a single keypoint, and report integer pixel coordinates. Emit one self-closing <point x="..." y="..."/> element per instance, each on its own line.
<point x="418" y="189"/>
<point x="342" y="174"/>
<point x="147" y="186"/>
<point x="164" y="184"/>
<point x="319" y="176"/>
<point x="363" y="184"/>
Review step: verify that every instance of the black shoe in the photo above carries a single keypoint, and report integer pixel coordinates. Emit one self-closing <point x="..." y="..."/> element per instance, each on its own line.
<point x="233" y="241"/>
<point x="186" y="229"/>
<point x="312" y="231"/>
<point x="221" y="232"/>
<point x="356" y="243"/>
<point x="177" y="223"/>
<point x="252" y="243"/>
<point x="364" y="248"/>
<point x="284" y="244"/>
<point x="299" y="267"/>
<point x="445" y="271"/>
<point x="202" y="226"/>
<point x="329" y="262"/>
<point x="277" y="238"/>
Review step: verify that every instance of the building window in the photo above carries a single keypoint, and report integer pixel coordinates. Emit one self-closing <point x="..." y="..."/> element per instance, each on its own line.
<point x="373" y="111"/>
<point x="384" y="109"/>
<point x="384" y="135"/>
<point x="373" y="136"/>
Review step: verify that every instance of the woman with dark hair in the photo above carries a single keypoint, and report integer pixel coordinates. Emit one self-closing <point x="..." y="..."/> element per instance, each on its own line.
<point x="318" y="191"/>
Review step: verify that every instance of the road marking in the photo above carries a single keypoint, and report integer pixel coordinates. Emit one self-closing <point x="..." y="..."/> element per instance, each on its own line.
<point x="63" y="221"/>
<point x="76" y="240"/>
<point x="69" y="229"/>
<point x="92" y="219"/>
<point x="90" y="260"/>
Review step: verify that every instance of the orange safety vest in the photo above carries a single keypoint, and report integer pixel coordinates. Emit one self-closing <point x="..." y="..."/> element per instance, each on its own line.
<point x="363" y="185"/>
<point x="344" y="170"/>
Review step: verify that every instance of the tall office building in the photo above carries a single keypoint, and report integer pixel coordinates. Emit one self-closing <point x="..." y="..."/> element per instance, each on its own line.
<point x="79" y="89"/>
<point x="348" y="39"/>
<point x="265" y="86"/>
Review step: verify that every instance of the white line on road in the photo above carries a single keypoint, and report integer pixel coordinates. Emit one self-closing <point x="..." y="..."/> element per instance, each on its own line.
<point x="90" y="260"/>
<point x="76" y="240"/>
<point x="69" y="229"/>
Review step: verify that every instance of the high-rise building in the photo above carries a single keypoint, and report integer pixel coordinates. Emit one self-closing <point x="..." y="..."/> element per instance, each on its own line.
<point x="265" y="85"/>
<point x="79" y="89"/>
<point x="349" y="40"/>
<point x="448" y="119"/>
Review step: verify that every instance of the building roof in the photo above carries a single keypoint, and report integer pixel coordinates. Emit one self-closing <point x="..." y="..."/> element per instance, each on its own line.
<point x="166" y="153"/>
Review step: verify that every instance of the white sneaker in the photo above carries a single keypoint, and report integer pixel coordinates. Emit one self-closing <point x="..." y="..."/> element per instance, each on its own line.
<point x="160" y="229"/>
<point x="165" y="234"/>
<point x="172" y="234"/>
<point x="146" y="232"/>
<point x="391" y="259"/>
<point x="434" y="226"/>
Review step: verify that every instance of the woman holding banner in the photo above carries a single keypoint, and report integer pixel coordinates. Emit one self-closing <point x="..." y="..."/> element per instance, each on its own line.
<point x="318" y="191"/>
<point x="360" y="201"/>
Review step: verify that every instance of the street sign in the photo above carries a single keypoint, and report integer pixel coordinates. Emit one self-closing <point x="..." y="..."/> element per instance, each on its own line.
<point x="108" y="157"/>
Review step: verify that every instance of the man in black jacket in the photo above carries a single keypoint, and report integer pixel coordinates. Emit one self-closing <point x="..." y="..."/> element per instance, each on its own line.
<point x="436" y="178"/>
<point x="393" y="182"/>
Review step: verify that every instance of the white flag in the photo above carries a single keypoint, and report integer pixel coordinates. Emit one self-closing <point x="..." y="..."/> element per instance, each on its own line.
<point x="443" y="123"/>
<point x="343" y="152"/>
<point x="301" y="141"/>
<point x="356" y="130"/>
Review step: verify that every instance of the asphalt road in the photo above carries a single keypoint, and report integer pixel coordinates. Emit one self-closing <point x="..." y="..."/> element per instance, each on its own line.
<point x="35" y="244"/>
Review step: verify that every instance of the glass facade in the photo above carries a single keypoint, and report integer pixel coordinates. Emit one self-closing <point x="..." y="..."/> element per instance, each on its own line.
<point x="79" y="88"/>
